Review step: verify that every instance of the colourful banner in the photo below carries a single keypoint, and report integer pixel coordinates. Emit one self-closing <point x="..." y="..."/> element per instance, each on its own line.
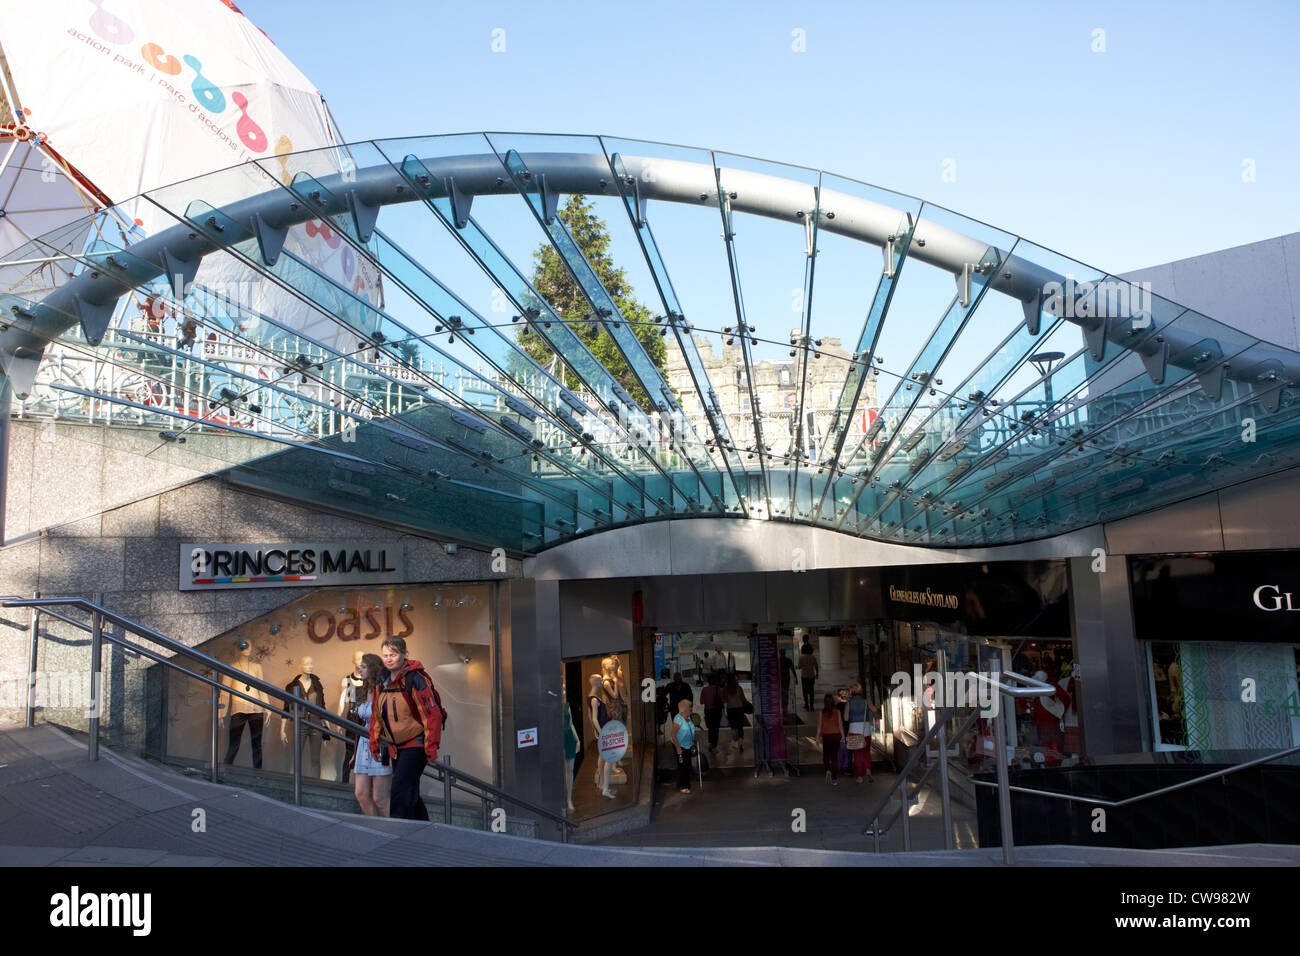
<point x="770" y="715"/>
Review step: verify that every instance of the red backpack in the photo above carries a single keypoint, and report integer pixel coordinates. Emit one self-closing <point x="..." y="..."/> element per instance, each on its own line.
<point x="437" y="699"/>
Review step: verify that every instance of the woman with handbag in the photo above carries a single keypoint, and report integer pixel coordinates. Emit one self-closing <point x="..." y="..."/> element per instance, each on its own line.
<point x="372" y="779"/>
<point x="683" y="738"/>
<point x="733" y="698"/>
<point x="830" y="730"/>
<point x="859" y="727"/>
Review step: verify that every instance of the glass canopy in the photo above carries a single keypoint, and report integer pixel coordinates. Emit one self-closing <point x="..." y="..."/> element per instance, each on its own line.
<point x="517" y="339"/>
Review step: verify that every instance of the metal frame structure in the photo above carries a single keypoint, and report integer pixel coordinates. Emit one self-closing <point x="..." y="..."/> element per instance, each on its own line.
<point x="1139" y="409"/>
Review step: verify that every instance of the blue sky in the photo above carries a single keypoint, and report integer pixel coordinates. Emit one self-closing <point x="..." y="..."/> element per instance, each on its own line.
<point x="1122" y="159"/>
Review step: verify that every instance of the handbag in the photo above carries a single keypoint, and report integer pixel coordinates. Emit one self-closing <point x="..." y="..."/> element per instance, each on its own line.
<point x="749" y="707"/>
<point x="846" y="760"/>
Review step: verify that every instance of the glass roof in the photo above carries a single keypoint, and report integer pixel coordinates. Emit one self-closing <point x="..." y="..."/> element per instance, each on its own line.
<point x="516" y="339"/>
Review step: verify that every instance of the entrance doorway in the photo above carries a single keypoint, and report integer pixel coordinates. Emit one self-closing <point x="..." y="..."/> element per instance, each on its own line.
<point x="777" y="733"/>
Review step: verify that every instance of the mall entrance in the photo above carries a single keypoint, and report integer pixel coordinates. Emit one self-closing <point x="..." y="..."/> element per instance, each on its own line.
<point x="766" y="687"/>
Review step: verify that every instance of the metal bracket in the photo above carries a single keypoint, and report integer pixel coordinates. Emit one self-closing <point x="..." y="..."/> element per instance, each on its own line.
<point x="641" y="218"/>
<point x="1095" y="337"/>
<point x="270" y="239"/>
<point x="179" y="273"/>
<point x="1267" y="380"/>
<point x="95" y="317"/>
<point x="1156" y="362"/>
<point x="22" y="369"/>
<point x="1033" y="312"/>
<point x="364" y="216"/>
<point x="550" y="200"/>
<point x="727" y="232"/>
<point x="963" y="283"/>
<point x="1211" y="380"/>
<point x="460" y="202"/>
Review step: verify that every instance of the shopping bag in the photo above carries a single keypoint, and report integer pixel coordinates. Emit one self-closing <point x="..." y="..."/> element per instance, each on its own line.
<point x="845" y="758"/>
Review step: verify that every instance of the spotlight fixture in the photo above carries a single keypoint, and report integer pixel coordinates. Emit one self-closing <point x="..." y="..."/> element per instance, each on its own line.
<point x="343" y="606"/>
<point x="302" y="613"/>
<point x="462" y="601"/>
<point x="437" y="600"/>
<point x="378" y="603"/>
<point x="275" y="627"/>
<point x="406" y="603"/>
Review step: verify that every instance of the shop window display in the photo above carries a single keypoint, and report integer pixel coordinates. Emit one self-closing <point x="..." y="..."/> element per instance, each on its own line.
<point x="598" y="693"/>
<point x="311" y="648"/>
<point x="1209" y="695"/>
<point x="1046" y="731"/>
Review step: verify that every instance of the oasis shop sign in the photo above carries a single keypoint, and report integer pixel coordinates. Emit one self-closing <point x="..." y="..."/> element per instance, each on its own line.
<point x="307" y="564"/>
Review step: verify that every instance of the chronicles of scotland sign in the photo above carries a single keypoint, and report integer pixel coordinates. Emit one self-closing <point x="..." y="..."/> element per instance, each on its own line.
<point x="204" y="567"/>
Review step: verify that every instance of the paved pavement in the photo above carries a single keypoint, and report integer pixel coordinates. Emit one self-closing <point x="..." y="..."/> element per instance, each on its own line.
<point x="59" y="809"/>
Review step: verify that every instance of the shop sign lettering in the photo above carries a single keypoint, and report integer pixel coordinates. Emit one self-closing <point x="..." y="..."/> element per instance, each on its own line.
<point x="208" y="566"/>
<point x="926" y="598"/>
<point x="323" y="624"/>
<point x="1263" y="600"/>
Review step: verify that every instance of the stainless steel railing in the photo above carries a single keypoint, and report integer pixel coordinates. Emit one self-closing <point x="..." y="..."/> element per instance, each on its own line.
<point x="1026" y="687"/>
<point x="295" y="709"/>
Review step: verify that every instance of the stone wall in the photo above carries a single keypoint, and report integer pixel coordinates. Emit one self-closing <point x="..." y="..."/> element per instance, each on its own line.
<point x="131" y="554"/>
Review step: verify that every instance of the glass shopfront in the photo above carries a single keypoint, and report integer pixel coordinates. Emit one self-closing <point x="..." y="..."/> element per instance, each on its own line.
<point x="946" y="622"/>
<point x="599" y="690"/>
<point x="1220" y="649"/>
<point x="312" y="647"/>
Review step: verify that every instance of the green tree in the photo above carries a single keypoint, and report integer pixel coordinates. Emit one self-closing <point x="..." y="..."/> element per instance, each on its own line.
<point x="552" y="280"/>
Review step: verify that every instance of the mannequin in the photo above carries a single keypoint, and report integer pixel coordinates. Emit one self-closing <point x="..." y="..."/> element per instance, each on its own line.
<point x="350" y="687"/>
<point x="616" y="700"/>
<point x="307" y="686"/>
<point x="598" y="709"/>
<point x="571" y="739"/>
<point x="240" y="712"/>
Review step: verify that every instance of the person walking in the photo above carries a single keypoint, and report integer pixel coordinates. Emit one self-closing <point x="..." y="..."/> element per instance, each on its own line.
<point x="679" y="691"/>
<point x="859" y="731"/>
<point x="788" y="670"/>
<point x="733" y="698"/>
<point x="830" y="728"/>
<point x="808" y="672"/>
<point x="711" y="701"/>
<point x="684" y="744"/>
<point x="406" y="706"/>
<point x="372" y="779"/>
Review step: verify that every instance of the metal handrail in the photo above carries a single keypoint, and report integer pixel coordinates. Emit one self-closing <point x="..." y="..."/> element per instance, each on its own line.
<point x="440" y="769"/>
<point x="1127" y="801"/>
<point x="877" y="829"/>
<point x="918" y="750"/>
<point x="1026" y="687"/>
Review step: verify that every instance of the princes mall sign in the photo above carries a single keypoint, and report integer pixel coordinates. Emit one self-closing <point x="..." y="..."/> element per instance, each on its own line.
<point x="204" y="567"/>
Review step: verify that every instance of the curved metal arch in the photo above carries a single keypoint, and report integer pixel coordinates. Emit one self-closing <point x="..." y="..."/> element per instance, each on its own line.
<point x="92" y="295"/>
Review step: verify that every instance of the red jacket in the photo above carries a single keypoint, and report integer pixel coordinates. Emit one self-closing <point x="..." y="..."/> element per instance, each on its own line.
<point x="391" y="712"/>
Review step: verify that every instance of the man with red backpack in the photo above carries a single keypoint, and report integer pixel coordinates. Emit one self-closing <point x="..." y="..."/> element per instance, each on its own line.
<point x="408" y="711"/>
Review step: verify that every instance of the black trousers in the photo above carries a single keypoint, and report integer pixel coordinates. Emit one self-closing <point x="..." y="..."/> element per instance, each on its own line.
<point x="255" y="722"/>
<point x="404" y="802"/>
<point x="684" y="769"/>
<point x="713" y="720"/>
<point x="808" y="684"/>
